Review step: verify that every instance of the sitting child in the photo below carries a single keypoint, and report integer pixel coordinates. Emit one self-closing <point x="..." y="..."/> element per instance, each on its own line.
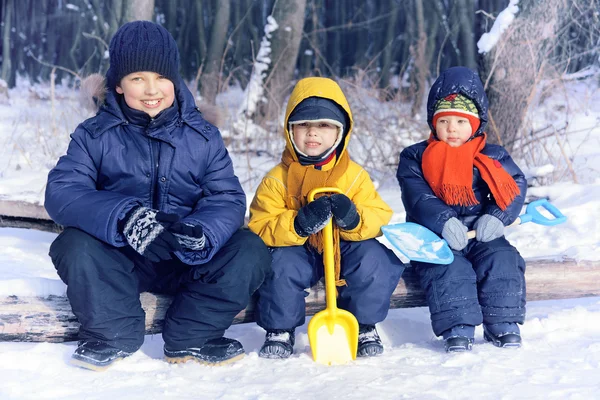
<point x="317" y="130"/>
<point x="455" y="182"/>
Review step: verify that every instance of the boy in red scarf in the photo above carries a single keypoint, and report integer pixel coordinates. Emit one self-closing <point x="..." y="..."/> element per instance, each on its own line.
<point x="317" y="130"/>
<point x="455" y="182"/>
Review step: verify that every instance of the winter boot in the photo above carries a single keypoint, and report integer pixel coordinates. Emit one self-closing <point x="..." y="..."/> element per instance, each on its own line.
<point x="214" y="352"/>
<point x="279" y="343"/>
<point x="96" y="356"/>
<point x="459" y="338"/>
<point x="506" y="334"/>
<point x="369" y="342"/>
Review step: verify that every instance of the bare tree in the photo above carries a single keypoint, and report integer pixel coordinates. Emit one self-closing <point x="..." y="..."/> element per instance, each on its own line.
<point x="5" y="73"/>
<point x="418" y="50"/>
<point x="210" y="80"/>
<point x="465" y="10"/>
<point x="390" y="35"/>
<point x="285" y="44"/>
<point x="516" y="65"/>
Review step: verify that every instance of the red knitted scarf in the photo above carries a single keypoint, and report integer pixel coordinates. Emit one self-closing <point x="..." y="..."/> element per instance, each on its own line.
<point x="449" y="172"/>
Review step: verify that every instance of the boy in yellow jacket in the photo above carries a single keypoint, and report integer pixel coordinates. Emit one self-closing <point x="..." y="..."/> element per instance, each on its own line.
<point x="317" y="129"/>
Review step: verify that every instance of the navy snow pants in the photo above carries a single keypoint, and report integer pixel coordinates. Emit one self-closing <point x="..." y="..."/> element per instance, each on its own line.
<point x="104" y="283"/>
<point x="370" y="269"/>
<point x="485" y="283"/>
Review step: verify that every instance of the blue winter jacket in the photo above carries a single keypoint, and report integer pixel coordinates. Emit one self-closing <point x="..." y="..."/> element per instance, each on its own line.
<point x="421" y="204"/>
<point x="176" y="163"/>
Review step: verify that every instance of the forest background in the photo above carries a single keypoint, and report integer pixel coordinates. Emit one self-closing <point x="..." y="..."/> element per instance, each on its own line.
<point x="385" y="54"/>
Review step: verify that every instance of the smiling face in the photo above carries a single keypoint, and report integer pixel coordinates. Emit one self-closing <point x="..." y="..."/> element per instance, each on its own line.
<point x="453" y="129"/>
<point x="314" y="138"/>
<point x="147" y="91"/>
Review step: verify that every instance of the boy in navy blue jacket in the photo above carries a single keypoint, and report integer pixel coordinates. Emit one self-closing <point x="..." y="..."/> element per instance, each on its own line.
<point x="149" y="199"/>
<point x="455" y="182"/>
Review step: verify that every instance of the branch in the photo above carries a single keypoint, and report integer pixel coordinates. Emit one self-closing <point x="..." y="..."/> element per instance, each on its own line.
<point x="75" y="74"/>
<point x="98" y="38"/>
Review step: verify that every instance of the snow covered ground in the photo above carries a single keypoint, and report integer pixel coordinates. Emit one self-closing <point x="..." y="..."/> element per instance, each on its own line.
<point x="560" y="358"/>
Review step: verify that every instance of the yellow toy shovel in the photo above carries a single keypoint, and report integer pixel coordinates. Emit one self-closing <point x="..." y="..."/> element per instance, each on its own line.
<point x="333" y="332"/>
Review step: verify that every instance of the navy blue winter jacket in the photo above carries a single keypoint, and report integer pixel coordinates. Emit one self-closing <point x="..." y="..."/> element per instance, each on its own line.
<point x="176" y="163"/>
<point x="421" y="204"/>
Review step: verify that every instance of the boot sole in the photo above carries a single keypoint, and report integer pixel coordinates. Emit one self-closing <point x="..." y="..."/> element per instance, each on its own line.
<point x="370" y="350"/>
<point x="275" y="356"/>
<point x="459" y="349"/>
<point x="181" y="360"/>
<point x="499" y="344"/>
<point x="93" y="367"/>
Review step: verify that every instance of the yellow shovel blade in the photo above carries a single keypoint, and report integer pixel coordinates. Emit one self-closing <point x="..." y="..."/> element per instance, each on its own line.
<point x="333" y="337"/>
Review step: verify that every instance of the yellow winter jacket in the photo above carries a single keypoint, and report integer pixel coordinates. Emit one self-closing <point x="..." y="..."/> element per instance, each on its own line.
<point x="273" y="220"/>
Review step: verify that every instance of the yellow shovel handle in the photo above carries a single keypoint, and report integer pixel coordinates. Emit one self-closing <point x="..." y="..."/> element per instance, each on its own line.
<point x="328" y="261"/>
<point x="314" y="192"/>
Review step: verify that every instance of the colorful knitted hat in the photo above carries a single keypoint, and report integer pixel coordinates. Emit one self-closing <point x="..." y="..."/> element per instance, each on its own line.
<point x="142" y="46"/>
<point x="458" y="105"/>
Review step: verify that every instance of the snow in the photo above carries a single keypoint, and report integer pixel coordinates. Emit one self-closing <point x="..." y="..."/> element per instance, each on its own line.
<point x="489" y="39"/>
<point x="560" y="357"/>
<point x="255" y="89"/>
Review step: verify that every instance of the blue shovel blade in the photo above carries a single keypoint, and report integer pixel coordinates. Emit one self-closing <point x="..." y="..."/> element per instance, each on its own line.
<point x="418" y="243"/>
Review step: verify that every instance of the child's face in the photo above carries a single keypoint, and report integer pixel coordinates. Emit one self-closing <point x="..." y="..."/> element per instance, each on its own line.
<point x="314" y="138"/>
<point x="147" y="91"/>
<point x="453" y="130"/>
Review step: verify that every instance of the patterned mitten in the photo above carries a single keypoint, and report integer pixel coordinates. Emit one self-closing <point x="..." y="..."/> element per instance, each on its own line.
<point x="146" y="235"/>
<point x="189" y="236"/>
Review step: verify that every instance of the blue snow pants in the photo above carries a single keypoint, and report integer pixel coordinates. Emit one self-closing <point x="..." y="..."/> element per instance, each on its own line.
<point x="104" y="283"/>
<point x="485" y="283"/>
<point x="370" y="269"/>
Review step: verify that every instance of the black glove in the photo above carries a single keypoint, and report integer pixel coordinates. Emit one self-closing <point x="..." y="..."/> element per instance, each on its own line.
<point x="189" y="236"/>
<point x="344" y="212"/>
<point x="313" y="217"/>
<point x="145" y="231"/>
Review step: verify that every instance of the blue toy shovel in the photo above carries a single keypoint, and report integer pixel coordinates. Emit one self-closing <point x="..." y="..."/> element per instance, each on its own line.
<point x="418" y="243"/>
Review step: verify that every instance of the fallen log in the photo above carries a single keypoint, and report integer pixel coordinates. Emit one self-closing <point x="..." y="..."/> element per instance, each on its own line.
<point x="49" y="319"/>
<point x="21" y="214"/>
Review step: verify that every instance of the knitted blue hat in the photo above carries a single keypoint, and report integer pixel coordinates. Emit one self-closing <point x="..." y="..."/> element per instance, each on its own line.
<point x="142" y="46"/>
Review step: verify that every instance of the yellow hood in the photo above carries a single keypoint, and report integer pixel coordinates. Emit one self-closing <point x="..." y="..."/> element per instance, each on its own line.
<point x="316" y="87"/>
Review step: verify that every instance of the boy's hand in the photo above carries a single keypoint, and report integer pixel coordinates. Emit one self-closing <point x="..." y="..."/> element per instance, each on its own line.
<point x="144" y="230"/>
<point x="189" y="236"/>
<point x="488" y="228"/>
<point x="455" y="233"/>
<point x="344" y="212"/>
<point x="313" y="217"/>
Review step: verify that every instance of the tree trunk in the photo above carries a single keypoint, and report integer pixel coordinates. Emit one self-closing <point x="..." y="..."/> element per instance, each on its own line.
<point x="514" y="67"/>
<point x="138" y="10"/>
<point x="390" y="34"/>
<point x="5" y="73"/>
<point x="464" y="9"/>
<point x="285" y="44"/>
<point x="421" y="66"/>
<point x="210" y="81"/>
<point x="200" y="32"/>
